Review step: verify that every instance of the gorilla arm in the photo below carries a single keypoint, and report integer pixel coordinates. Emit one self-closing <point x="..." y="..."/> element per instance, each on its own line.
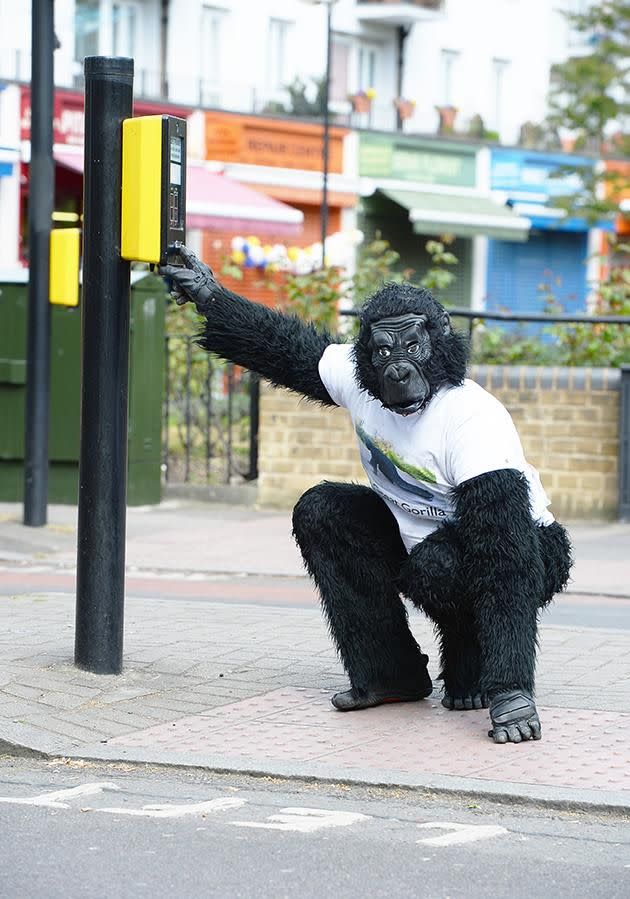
<point x="281" y="348"/>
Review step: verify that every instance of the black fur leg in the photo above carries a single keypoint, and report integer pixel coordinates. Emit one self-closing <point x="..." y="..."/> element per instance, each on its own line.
<point x="428" y="576"/>
<point x="461" y="663"/>
<point x="557" y="558"/>
<point x="353" y="551"/>
<point x="504" y="576"/>
<point x="514" y="717"/>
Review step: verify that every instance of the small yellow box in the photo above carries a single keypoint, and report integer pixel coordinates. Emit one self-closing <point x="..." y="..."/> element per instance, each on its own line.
<point x="153" y="213"/>
<point x="64" y="266"/>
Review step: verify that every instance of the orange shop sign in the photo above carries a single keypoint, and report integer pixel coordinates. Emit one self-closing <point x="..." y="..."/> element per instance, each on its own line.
<point x="259" y="141"/>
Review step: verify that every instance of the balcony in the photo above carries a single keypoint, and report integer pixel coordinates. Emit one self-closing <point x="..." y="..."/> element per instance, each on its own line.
<point x="394" y="12"/>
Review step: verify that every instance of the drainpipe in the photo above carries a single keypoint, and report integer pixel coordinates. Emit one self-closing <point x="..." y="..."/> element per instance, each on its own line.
<point x="164" y="48"/>
<point x="402" y="33"/>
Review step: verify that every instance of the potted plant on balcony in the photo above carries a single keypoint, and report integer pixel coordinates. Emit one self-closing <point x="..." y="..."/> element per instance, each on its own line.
<point x="405" y="108"/>
<point x="447" y="115"/>
<point x="362" y="100"/>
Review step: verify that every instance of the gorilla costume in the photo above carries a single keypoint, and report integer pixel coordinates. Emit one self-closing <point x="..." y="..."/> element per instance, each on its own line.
<point x="455" y="519"/>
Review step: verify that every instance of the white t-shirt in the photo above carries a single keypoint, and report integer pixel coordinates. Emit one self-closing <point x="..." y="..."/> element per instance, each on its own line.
<point x="414" y="461"/>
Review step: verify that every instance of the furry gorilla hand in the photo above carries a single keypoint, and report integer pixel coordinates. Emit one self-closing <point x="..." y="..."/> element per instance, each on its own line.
<point x="195" y="283"/>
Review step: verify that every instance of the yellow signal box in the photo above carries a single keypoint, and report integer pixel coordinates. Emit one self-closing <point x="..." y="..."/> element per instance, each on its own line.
<point x="64" y="266"/>
<point x="153" y="188"/>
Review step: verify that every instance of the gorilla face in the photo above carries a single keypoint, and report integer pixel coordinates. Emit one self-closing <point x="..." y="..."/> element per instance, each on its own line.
<point x="399" y="347"/>
<point x="407" y="349"/>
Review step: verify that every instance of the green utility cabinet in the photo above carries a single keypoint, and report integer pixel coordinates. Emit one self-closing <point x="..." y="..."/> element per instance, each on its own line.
<point x="146" y="385"/>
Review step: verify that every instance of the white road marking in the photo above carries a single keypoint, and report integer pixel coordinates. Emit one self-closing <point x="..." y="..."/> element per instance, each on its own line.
<point x="56" y="799"/>
<point x="460" y="833"/>
<point x="177" y="811"/>
<point x="305" y="820"/>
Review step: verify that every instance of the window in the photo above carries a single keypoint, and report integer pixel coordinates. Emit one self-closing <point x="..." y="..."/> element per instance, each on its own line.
<point x="86" y="23"/>
<point x="211" y="31"/>
<point x="499" y="73"/>
<point x="367" y="59"/>
<point x="277" y="53"/>
<point x="448" y="64"/>
<point x="339" y="69"/>
<point x="124" y="22"/>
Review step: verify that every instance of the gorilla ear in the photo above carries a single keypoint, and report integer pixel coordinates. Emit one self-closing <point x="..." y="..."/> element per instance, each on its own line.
<point x="445" y="321"/>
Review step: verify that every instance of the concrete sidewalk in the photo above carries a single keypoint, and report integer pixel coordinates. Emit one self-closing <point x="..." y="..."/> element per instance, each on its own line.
<point x="234" y="673"/>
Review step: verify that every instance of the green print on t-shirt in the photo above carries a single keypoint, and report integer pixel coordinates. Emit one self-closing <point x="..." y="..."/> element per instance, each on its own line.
<point x="384" y="460"/>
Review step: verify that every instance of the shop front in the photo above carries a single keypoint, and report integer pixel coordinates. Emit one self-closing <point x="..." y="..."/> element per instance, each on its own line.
<point x="416" y="190"/>
<point x="555" y="259"/>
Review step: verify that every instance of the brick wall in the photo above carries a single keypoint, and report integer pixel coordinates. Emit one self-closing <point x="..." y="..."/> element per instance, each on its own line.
<point x="568" y="420"/>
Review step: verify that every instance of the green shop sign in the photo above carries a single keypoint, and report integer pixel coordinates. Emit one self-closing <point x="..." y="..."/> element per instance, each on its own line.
<point x="413" y="161"/>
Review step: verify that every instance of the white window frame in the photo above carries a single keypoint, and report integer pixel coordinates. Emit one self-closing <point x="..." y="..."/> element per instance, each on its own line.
<point x="449" y="65"/>
<point x="277" y="74"/>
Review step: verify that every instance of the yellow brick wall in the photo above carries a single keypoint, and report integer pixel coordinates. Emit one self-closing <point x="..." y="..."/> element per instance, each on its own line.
<point x="569" y="427"/>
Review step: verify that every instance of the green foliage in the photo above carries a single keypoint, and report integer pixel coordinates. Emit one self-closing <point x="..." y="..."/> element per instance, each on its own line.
<point x="299" y="103"/>
<point x="599" y="345"/>
<point x="573" y="345"/>
<point x="313" y="296"/>
<point x="439" y="277"/>
<point x="591" y="91"/>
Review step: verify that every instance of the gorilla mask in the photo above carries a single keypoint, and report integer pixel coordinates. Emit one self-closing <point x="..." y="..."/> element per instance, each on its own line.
<point x="400" y="345"/>
<point x="406" y="348"/>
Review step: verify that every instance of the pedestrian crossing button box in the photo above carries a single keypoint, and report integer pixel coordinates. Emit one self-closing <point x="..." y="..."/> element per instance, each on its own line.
<point x="153" y="189"/>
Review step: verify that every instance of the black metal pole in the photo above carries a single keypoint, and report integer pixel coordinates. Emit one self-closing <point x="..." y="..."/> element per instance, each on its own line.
<point x="40" y="210"/>
<point x="624" y="444"/>
<point x="254" y="424"/>
<point x="325" y="147"/>
<point x="105" y="366"/>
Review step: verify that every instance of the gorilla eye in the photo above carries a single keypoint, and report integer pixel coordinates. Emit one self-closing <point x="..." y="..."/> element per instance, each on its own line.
<point x="384" y="352"/>
<point x="412" y="348"/>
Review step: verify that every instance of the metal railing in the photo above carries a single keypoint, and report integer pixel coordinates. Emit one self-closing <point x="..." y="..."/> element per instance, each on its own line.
<point x="567" y="318"/>
<point x="210" y="417"/>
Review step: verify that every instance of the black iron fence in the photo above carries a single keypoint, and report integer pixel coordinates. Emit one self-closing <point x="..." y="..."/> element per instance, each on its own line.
<point x="211" y="408"/>
<point x="210" y="417"/>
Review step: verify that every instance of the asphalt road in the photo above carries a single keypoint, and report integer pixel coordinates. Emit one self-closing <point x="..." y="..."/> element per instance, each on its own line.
<point x="123" y="832"/>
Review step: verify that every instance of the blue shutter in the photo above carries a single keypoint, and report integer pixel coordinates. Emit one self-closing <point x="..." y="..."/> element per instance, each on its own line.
<point x="516" y="272"/>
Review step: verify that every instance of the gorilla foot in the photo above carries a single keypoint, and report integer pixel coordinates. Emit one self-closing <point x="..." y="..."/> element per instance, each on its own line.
<point x="464" y="702"/>
<point x="352" y="700"/>
<point x="514" y="717"/>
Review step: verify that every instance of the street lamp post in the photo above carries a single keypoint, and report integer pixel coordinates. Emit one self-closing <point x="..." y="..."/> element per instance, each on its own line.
<point x="326" y="136"/>
<point x="326" y="140"/>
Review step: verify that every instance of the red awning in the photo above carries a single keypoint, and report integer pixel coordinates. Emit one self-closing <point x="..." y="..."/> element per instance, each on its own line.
<point x="215" y="201"/>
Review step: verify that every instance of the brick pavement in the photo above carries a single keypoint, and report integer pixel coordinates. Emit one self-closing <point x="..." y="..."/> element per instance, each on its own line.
<point x="246" y="687"/>
<point x="227" y="671"/>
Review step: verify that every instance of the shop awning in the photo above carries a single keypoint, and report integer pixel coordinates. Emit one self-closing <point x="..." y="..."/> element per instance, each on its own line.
<point x="216" y="202"/>
<point x="460" y="214"/>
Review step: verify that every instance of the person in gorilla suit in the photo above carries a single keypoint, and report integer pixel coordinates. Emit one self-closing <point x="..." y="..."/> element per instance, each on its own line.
<point x="455" y="519"/>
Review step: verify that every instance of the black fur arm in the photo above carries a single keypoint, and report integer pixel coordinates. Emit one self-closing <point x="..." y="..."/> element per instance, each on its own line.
<point x="280" y="347"/>
<point x="502" y="566"/>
